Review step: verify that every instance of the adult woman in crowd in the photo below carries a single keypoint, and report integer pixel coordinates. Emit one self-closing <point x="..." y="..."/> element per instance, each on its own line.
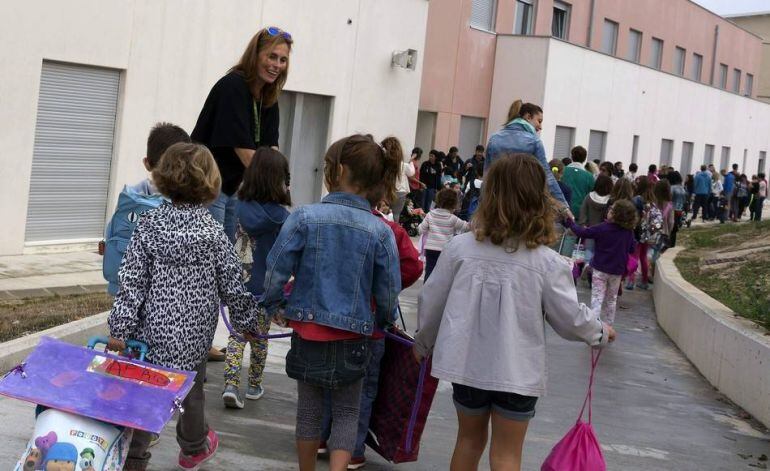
<point x="241" y="114"/>
<point x="393" y="146"/>
<point x="520" y="134"/>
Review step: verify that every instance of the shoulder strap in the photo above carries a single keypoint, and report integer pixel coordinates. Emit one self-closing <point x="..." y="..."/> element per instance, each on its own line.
<point x="595" y="354"/>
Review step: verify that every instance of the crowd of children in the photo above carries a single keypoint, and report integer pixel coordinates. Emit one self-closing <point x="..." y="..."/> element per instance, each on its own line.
<point x="332" y="271"/>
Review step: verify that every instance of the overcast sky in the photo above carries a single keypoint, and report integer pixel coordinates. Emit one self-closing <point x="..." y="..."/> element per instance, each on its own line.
<point x="730" y="7"/>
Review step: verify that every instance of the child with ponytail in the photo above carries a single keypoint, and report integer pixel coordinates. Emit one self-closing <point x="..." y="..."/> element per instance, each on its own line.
<point x="343" y="259"/>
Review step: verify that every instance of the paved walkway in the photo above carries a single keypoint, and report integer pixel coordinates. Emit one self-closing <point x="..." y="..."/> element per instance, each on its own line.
<point x="652" y="410"/>
<point x="63" y="273"/>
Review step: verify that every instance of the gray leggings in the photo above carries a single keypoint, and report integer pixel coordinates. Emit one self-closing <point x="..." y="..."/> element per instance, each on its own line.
<point x="345" y="402"/>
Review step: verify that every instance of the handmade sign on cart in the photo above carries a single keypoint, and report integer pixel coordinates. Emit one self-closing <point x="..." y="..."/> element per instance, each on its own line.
<point x="102" y="386"/>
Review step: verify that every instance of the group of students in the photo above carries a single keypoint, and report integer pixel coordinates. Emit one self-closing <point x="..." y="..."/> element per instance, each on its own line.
<point x="332" y="271"/>
<point x="726" y="194"/>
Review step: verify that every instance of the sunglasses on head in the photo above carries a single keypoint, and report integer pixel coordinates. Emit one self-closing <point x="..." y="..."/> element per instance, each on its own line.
<point x="275" y="31"/>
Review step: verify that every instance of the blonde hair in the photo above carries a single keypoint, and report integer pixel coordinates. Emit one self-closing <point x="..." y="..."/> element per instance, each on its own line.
<point x="187" y="173"/>
<point x="514" y="204"/>
<point x="249" y="64"/>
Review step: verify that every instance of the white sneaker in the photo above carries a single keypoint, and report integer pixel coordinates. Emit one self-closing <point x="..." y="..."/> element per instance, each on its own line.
<point x="232" y="398"/>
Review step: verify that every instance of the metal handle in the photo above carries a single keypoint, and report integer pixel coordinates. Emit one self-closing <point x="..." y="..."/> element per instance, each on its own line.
<point x="131" y="345"/>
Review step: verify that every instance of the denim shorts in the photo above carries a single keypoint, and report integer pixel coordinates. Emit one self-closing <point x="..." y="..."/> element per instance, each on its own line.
<point x="329" y="365"/>
<point x="512" y="406"/>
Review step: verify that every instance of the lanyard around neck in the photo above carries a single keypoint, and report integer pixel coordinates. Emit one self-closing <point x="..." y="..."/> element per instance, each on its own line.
<point x="257" y="117"/>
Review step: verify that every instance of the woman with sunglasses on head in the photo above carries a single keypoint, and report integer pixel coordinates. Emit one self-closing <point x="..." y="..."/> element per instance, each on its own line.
<point x="241" y="114"/>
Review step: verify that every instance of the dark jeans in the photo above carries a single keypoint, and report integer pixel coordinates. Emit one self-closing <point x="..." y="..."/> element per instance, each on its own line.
<point x="416" y="197"/>
<point x="191" y="427"/>
<point x="758" y="202"/>
<point x="368" y="395"/>
<point x="701" y="202"/>
<point x="431" y="257"/>
<point x="328" y="364"/>
<point x="428" y="195"/>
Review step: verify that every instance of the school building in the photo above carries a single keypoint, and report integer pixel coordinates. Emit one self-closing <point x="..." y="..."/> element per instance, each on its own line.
<point x="85" y="80"/>
<point x="645" y="81"/>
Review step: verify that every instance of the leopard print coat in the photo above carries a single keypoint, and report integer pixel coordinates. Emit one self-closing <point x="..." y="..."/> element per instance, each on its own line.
<point x="177" y="268"/>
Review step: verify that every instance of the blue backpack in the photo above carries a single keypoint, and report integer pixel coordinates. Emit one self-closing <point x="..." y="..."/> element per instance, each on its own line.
<point x="131" y="206"/>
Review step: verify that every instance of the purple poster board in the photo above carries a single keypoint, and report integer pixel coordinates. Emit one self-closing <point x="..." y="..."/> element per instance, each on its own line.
<point x="98" y="385"/>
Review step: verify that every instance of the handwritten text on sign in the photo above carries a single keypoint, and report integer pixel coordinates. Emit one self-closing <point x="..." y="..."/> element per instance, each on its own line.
<point x="143" y="374"/>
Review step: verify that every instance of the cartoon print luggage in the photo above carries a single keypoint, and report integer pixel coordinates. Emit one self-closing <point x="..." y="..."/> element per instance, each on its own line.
<point x="89" y="402"/>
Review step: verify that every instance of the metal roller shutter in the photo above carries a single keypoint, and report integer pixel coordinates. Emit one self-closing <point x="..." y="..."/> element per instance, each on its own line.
<point x="470" y="135"/>
<point x="686" y="166"/>
<point x="483" y="14"/>
<point x="72" y="153"/>
<point x="562" y="145"/>
<point x="596" y="142"/>
<point x="666" y="151"/>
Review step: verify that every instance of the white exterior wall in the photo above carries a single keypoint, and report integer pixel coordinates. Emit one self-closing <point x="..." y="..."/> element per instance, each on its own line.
<point x="588" y="90"/>
<point x="172" y="51"/>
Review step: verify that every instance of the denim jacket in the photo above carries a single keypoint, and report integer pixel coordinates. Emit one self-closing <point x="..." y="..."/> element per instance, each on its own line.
<point x="341" y="257"/>
<point x="513" y="138"/>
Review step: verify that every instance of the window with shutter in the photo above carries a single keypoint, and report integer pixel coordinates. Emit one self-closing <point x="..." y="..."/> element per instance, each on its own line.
<point x="483" y="14"/>
<point x="72" y="154"/>
<point x="666" y="151"/>
<point x="686" y="167"/>
<point x="565" y="139"/>
<point x="596" y="144"/>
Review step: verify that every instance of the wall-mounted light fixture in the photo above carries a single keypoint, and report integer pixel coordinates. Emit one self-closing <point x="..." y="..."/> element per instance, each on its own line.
<point x="406" y="59"/>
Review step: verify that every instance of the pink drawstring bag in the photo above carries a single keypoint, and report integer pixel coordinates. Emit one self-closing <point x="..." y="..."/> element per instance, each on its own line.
<point x="632" y="263"/>
<point x="579" y="450"/>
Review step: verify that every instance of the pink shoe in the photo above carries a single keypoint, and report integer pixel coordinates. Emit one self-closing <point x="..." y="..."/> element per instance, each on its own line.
<point x="194" y="462"/>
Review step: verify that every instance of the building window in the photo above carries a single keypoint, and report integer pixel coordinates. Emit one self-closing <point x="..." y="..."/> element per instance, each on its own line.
<point x="724" y="161"/>
<point x="635" y="150"/>
<point x="560" y="22"/>
<point x="471" y="134"/>
<point x="762" y="162"/>
<point x="596" y="144"/>
<point x="72" y="153"/>
<point x="634" y="45"/>
<point x="679" y="55"/>
<point x="736" y="80"/>
<point x="708" y="154"/>
<point x="722" y="76"/>
<point x="565" y="139"/>
<point x="697" y="66"/>
<point x="686" y="165"/>
<point x="656" y="53"/>
<point x="525" y="16"/>
<point x="666" y="151"/>
<point x="483" y="14"/>
<point x="749" y="85"/>
<point x="610" y="37"/>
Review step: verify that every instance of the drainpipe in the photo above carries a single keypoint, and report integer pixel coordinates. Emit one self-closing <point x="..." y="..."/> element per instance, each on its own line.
<point x="591" y="24"/>
<point x="714" y="55"/>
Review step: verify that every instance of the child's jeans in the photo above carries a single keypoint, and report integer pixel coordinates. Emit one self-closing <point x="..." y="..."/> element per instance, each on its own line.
<point x="345" y="403"/>
<point x="368" y="395"/>
<point x="191" y="427"/>
<point x="234" y="359"/>
<point x="604" y="295"/>
<point x="431" y="257"/>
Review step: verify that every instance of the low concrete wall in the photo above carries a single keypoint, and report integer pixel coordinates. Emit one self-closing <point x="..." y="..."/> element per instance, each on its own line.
<point x="15" y="351"/>
<point x="731" y="352"/>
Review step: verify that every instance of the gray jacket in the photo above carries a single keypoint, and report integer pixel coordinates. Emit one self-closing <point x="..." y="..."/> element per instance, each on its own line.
<point x="484" y="309"/>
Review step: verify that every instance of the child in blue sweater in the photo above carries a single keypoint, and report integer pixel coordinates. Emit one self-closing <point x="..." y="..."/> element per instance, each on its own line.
<point x="261" y="212"/>
<point x="614" y="240"/>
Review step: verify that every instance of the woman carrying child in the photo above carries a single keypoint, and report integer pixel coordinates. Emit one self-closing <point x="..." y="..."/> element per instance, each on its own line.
<point x="260" y="212"/>
<point x="343" y="259"/>
<point x="177" y="269"/>
<point x="439" y="226"/>
<point x="483" y="310"/>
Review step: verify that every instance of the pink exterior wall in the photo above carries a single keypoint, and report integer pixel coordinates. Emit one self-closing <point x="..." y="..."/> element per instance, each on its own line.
<point x="459" y="61"/>
<point x="458" y="66"/>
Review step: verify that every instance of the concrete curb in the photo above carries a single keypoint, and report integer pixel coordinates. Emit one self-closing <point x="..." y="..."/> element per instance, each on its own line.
<point x="731" y="352"/>
<point x="77" y="332"/>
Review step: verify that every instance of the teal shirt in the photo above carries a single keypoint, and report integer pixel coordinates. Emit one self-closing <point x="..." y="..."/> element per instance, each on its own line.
<point x="581" y="182"/>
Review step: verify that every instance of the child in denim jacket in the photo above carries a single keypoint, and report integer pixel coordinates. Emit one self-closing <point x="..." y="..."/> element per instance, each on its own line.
<point x="341" y="256"/>
<point x="260" y="213"/>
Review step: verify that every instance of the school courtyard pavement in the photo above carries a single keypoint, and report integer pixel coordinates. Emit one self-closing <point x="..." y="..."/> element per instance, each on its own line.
<point x="652" y="410"/>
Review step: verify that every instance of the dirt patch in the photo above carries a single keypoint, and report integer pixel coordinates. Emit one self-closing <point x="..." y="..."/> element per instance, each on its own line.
<point x="19" y="318"/>
<point x="731" y="263"/>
